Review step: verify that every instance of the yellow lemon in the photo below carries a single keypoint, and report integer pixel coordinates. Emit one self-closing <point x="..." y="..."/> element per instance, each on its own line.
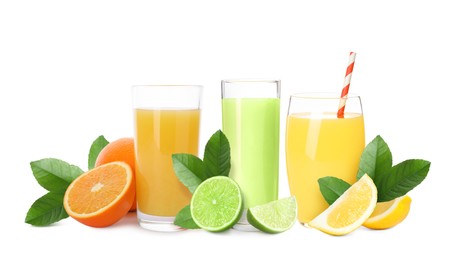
<point x="390" y="213"/>
<point x="350" y="210"/>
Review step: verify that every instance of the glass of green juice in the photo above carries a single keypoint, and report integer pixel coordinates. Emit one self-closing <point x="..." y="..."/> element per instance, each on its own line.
<point x="251" y="122"/>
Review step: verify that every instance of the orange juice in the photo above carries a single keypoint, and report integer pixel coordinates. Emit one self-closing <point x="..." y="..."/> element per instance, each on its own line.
<point x="319" y="145"/>
<point x="159" y="134"/>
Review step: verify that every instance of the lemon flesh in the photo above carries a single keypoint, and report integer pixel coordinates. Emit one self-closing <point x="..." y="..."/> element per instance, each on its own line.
<point x="350" y="210"/>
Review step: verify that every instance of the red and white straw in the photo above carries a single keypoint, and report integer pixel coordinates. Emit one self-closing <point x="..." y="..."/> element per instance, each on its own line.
<point x="348" y="78"/>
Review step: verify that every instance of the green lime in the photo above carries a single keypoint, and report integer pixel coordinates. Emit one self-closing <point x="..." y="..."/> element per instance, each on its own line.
<point x="274" y="217"/>
<point x="216" y="204"/>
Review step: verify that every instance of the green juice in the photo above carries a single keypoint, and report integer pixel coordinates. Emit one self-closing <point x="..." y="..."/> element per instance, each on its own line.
<point x="252" y="128"/>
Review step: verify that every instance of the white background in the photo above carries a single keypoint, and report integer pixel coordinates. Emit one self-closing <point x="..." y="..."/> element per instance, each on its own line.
<point x="66" y="68"/>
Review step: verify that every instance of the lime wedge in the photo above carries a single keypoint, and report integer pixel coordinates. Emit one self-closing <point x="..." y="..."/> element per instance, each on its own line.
<point x="216" y="204"/>
<point x="274" y="217"/>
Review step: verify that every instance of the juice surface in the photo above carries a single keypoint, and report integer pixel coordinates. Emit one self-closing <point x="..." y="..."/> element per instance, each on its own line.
<point x="318" y="146"/>
<point x="252" y="128"/>
<point x="159" y="134"/>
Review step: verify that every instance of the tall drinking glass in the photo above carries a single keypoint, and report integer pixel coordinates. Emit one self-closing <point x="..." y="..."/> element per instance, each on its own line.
<point x="320" y="144"/>
<point x="251" y="121"/>
<point x="167" y="121"/>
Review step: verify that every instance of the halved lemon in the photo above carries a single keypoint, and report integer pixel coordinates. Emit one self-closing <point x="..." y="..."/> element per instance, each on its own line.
<point x="388" y="214"/>
<point x="350" y="210"/>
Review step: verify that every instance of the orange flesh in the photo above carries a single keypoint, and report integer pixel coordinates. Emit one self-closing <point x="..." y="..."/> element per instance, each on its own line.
<point x="97" y="190"/>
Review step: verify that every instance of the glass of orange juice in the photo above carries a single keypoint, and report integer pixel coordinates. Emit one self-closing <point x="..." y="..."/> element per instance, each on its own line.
<point x="320" y="144"/>
<point x="167" y="121"/>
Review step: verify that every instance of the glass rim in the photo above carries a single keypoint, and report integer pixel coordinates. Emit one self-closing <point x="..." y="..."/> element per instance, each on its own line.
<point x="322" y="95"/>
<point x="251" y="81"/>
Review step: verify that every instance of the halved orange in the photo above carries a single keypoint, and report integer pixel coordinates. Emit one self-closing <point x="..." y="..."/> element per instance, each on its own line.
<point x="101" y="196"/>
<point x="120" y="150"/>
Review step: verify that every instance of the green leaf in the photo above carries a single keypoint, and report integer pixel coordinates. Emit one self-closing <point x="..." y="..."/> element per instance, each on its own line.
<point x="332" y="188"/>
<point x="184" y="219"/>
<point x="402" y="178"/>
<point x="189" y="169"/>
<point x="96" y="147"/>
<point x="376" y="160"/>
<point x="53" y="174"/>
<point x="46" y="210"/>
<point x="217" y="155"/>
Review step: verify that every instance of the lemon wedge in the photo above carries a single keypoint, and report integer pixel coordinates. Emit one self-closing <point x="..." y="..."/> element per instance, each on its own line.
<point x="388" y="214"/>
<point x="350" y="210"/>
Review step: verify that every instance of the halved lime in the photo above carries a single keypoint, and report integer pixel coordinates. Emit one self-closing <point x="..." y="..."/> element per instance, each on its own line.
<point x="216" y="204"/>
<point x="274" y="217"/>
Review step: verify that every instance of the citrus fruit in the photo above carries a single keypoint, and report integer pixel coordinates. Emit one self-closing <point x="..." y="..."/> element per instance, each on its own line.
<point x="216" y="204"/>
<point x="274" y="217"/>
<point x="120" y="150"/>
<point x="388" y="214"/>
<point x="350" y="210"/>
<point x="101" y="196"/>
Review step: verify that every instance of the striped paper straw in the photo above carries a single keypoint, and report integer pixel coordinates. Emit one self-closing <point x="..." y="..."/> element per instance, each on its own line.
<point x="348" y="78"/>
